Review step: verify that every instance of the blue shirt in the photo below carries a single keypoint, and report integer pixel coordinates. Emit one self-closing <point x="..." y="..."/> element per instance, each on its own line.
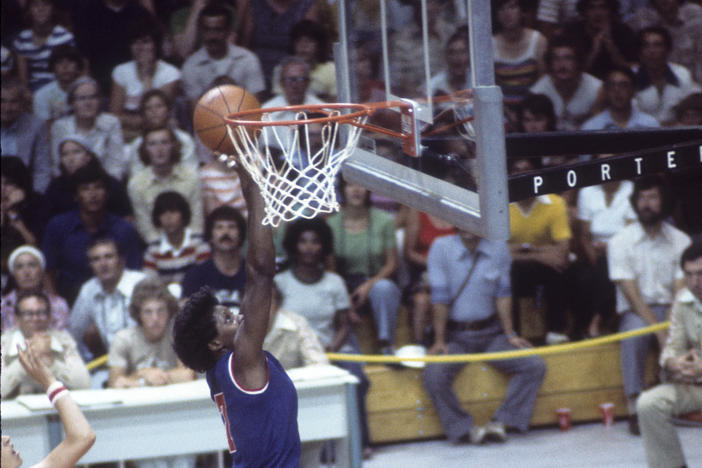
<point x="448" y="264"/>
<point x="261" y="424"/>
<point x="65" y="247"/>
<point x="228" y="289"/>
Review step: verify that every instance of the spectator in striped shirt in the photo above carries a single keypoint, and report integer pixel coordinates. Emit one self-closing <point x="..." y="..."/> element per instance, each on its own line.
<point x="33" y="46"/>
<point x="179" y="247"/>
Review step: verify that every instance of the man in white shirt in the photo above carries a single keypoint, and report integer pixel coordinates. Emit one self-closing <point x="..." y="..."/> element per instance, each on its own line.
<point x="51" y="100"/>
<point x="102" y="307"/>
<point x="572" y="91"/>
<point x="218" y="57"/>
<point x="643" y="263"/>
<point x="660" y="84"/>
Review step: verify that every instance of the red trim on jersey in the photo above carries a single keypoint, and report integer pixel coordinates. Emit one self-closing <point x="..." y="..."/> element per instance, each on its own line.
<point x="241" y="387"/>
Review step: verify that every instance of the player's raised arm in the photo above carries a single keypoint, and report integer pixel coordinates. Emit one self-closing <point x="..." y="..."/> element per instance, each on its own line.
<point x="79" y="435"/>
<point x="250" y="367"/>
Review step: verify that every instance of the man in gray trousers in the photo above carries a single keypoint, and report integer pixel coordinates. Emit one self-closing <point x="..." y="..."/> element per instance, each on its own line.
<point x="471" y="304"/>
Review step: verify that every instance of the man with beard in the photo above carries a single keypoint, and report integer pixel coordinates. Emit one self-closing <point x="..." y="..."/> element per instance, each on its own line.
<point x="224" y="273"/>
<point x="218" y="57"/>
<point x="643" y="263"/>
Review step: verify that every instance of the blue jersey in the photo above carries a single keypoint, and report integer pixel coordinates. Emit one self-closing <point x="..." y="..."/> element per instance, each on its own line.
<point x="261" y="424"/>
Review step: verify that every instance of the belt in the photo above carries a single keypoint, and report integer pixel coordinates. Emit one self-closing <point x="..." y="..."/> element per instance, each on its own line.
<point x="453" y="325"/>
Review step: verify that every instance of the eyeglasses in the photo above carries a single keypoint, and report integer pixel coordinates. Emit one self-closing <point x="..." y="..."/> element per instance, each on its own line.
<point x="296" y="79"/>
<point x="35" y="314"/>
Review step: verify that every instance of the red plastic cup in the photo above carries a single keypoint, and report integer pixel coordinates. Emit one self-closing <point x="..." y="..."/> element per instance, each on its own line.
<point x="607" y="410"/>
<point x="563" y="415"/>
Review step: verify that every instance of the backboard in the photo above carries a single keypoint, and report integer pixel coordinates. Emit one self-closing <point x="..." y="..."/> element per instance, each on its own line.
<point x="420" y="50"/>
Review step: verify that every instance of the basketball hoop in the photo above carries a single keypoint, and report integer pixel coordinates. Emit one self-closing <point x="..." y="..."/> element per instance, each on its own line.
<point x="294" y="156"/>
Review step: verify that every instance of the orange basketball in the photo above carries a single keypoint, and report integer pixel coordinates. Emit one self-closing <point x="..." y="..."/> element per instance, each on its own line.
<point x="210" y="111"/>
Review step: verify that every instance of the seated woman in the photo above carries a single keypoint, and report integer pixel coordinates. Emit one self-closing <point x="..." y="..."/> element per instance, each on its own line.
<point x="366" y="257"/>
<point x="156" y="110"/>
<point x="75" y="152"/>
<point x="321" y="297"/>
<point x="130" y="80"/>
<point x="26" y="265"/>
<point x="179" y="247"/>
<point x="102" y="130"/>
<point x="160" y="152"/>
<point x="142" y="355"/>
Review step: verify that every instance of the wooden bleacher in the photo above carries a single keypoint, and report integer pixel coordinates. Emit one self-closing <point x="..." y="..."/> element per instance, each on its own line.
<point x="399" y="409"/>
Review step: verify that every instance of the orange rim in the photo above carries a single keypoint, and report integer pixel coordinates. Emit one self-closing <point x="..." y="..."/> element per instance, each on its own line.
<point x="360" y="110"/>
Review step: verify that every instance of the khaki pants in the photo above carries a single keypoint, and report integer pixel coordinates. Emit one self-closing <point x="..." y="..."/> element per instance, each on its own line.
<point x="656" y="408"/>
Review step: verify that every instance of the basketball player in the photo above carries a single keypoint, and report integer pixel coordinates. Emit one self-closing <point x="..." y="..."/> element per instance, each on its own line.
<point x="256" y="398"/>
<point x="79" y="435"/>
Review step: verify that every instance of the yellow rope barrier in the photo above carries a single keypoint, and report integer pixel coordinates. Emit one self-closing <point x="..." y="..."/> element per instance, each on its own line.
<point x="95" y="363"/>
<point x="543" y="350"/>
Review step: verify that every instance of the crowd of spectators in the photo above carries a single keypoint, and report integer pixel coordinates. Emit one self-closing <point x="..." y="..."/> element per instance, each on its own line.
<point x="104" y="183"/>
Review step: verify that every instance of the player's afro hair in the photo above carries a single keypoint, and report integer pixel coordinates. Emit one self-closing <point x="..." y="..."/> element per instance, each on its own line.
<point x="193" y="329"/>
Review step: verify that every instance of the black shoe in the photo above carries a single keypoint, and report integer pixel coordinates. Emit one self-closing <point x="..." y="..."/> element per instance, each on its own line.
<point x="634" y="425"/>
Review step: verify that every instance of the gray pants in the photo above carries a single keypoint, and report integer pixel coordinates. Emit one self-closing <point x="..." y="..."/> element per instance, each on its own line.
<point x="515" y="411"/>
<point x="635" y="350"/>
<point x="384" y="298"/>
<point x="656" y="407"/>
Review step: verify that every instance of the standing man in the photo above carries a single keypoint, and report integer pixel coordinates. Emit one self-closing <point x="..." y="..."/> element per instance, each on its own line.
<point x="224" y="273"/>
<point x="256" y="398"/>
<point x="682" y="360"/>
<point x="218" y="57"/>
<point x="472" y="307"/>
<point x="102" y="307"/>
<point x="643" y="264"/>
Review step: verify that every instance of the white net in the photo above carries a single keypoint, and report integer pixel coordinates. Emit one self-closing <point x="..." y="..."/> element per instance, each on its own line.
<point x="295" y="166"/>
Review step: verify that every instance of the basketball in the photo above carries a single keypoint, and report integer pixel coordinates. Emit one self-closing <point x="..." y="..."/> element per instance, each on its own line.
<point x="210" y="111"/>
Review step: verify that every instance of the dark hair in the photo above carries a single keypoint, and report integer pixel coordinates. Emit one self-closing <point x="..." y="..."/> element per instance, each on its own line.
<point x="225" y="213"/>
<point x="16" y="172"/>
<point x="77" y="84"/>
<point x="536" y="163"/>
<point x="496" y="5"/>
<point x="460" y="34"/>
<point x="661" y="31"/>
<point x="538" y="104"/>
<point x="150" y="288"/>
<point x="216" y="10"/>
<point x="624" y="71"/>
<point x="145" y="26"/>
<point x="105" y="240"/>
<point x="21" y="296"/>
<point x="647" y="183"/>
<point x="91" y="155"/>
<point x="65" y="52"/>
<point x="692" y="102"/>
<point x="193" y="329"/>
<point x="176" y="152"/>
<point x="170" y="201"/>
<point x="295" y="230"/>
<point x="613" y="6"/>
<point x="91" y="172"/>
<point x="691" y="253"/>
<point x="316" y="32"/>
<point x="558" y="42"/>
<point x="342" y="199"/>
<point x="154" y="93"/>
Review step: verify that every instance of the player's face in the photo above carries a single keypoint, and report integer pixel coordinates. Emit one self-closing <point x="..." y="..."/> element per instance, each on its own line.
<point x="227" y="322"/>
<point x="73" y="157"/>
<point x="91" y="196"/>
<point x="225" y="235"/>
<point x="649" y="206"/>
<point x="10" y="458"/>
<point x="28" y="272"/>
<point x="33" y="316"/>
<point x="309" y="248"/>
<point x="154" y="317"/>
<point x="159" y="148"/>
<point x="693" y="277"/>
<point x="106" y="263"/>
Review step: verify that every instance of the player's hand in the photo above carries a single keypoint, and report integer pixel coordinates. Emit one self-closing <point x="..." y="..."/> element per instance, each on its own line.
<point x="35" y="367"/>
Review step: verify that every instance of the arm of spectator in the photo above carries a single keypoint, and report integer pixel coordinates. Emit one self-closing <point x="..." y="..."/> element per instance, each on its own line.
<point x="676" y="346"/>
<point x="310" y="348"/>
<point x="360" y="295"/>
<point x="245" y="25"/>
<point x="13" y="374"/>
<point x="342" y="328"/>
<point x="630" y="289"/>
<point x="68" y="366"/>
<point x="554" y="255"/>
<point x="412" y="239"/>
<point x="584" y="239"/>
<point x="540" y="52"/>
<point x="79" y="435"/>
<point x="21" y="68"/>
<point x="504" y="314"/>
<point x="440" y="313"/>
<point x="180" y="373"/>
<point x="186" y="41"/>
